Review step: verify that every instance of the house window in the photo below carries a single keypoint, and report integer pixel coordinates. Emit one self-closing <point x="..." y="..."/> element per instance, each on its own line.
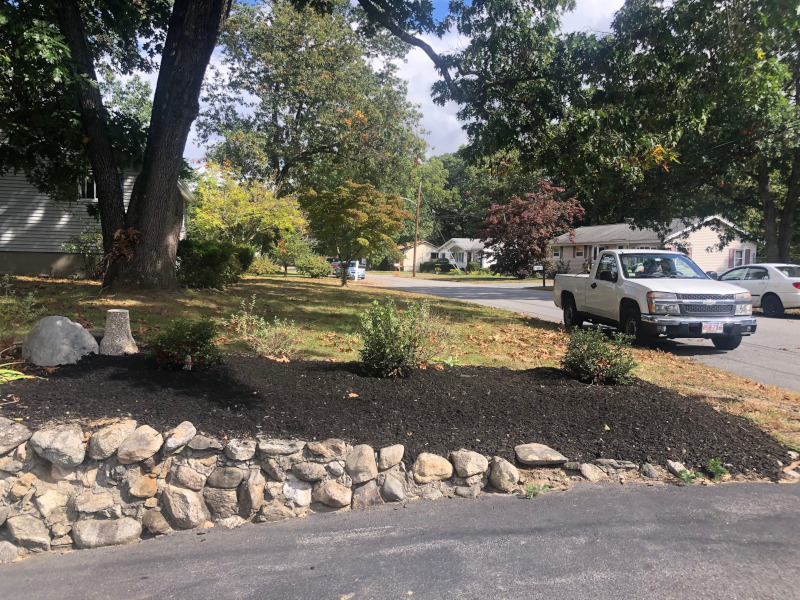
<point x="434" y="255"/>
<point x="89" y="188"/>
<point x="738" y="257"/>
<point x="459" y="256"/>
<point x="556" y="251"/>
<point x="578" y="251"/>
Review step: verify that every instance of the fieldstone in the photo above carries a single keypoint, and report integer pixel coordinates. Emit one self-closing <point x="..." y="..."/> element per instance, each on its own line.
<point x="675" y="468"/>
<point x="203" y="442"/>
<point x="328" y="448"/>
<point x="468" y="491"/>
<point x="90" y="533"/>
<point x="251" y="493"/>
<point x="539" y="455"/>
<point x="155" y="523"/>
<point x="296" y="491"/>
<point x="393" y="490"/>
<point x="12" y="434"/>
<point x="227" y="478"/>
<point x="791" y="454"/>
<point x="189" y="478"/>
<point x="145" y="486"/>
<point x="143" y="443"/>
<point x="467" y="463"/>
<point x="626" y="465"/>
<point x="650" y="471"/>
<point x="390" y="456"/>
<point x="504" y="475"/>
<point x="58" y="341"/>
<point x="431" y="467"/>
<point x="231" y="522"/>
<point x="117" y="339"/>
<point x="571" y="465"/>
<point x="8" y="553"/>
<point x="104" y="442"/>
<point x="184" y="507"/>
<point x="276" y="447"/>
<point x="21" y="487"/>
<point x="274" y="512"/>
<point x="87" y="502"/>
<point x="367" y="495"/>
<point x="4" y="512"/>
<point x="52" y="505"/>
<point x="240" y="449"/>
<point x="9" y="464"/>
<point x="335" y="468"/>
<point x="205" y="465"/>
<point x="333" y="494"/>
<point x="309" y="471"/>
<point x="271" y="467"/>
<point x="29" y="532"/>
<point x="61" y="542"/>
<point x="61" y="445"/>
<point x="221" y="502"/>
<point x="60" y="529"/>
<point x="180" y="436"/>
<point x="360" y="464"/>
<point x="591" y="472"/>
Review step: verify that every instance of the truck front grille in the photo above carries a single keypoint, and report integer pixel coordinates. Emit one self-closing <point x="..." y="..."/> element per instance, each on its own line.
<point x="705" y="296"/>
<point x="708" y="309"/>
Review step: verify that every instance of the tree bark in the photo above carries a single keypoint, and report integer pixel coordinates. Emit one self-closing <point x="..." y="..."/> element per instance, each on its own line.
<point x="789" y="210"/>
<point x="156" y="207"/>
<point x="770" y="212"/>
<point x="95" y="125"/>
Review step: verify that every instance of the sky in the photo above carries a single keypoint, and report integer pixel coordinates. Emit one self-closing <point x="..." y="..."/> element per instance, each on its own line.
<point x="444" y="132"/>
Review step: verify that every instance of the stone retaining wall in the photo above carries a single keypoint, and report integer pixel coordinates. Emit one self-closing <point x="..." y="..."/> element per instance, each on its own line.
<point x="61" y="488"/>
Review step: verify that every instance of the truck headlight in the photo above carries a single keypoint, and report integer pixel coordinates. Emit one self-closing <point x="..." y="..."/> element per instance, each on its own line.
<point x="744" y="304"/>
<point x="663" y="303"/>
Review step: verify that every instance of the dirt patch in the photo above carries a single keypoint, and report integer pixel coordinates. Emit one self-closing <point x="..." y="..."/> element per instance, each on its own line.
<point x="479" y="408"/>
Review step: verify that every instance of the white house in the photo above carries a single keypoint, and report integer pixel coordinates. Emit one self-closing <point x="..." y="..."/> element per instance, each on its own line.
<point x="700" y="240"/>
<point x="462" y="251"/>
<point x="424" y="250"/>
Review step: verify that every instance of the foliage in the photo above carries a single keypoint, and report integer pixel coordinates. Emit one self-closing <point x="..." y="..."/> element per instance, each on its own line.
<point x="440" y="265"/>
<point x="89" y="245"/>
<point x="518" y="232"/>
<point x="313" y="265"/>
<point x="9" y="375"/>
<point x="187" y="345"/>
<point x="393" y="341"/>
<point x="277" y="339"/>
<point x="289" y="249"/>
<point x="687" y="476"/>
<point x="207" y="264"/>
<point x="591" y="358"/>
<point x="16" y="309"/>
<point x="262" y="266"/>
<point x="716" y="469"/>
<point x="557" y="267"/>
<point x="531" y="491"/>
<point x="353" y="221"/>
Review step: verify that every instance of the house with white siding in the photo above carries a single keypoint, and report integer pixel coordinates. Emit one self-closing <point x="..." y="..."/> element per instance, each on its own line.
<point x="34" y="228"/>
<point x="701" y="240"/>
<point x="462" y="251"/>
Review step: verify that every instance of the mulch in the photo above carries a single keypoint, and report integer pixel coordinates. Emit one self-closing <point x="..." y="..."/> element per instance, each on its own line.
<point x="485" y="409"/>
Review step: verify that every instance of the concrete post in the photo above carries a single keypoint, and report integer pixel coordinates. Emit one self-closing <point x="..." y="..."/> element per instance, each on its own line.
<point x="117" y="339"/>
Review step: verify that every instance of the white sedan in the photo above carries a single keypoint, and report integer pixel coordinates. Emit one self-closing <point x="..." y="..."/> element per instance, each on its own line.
<point x="774" y="286"/>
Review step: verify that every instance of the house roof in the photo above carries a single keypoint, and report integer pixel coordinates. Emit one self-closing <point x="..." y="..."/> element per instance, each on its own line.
<point x="463" y="243"/>
<point x="409" y="245"/>
<point x="624" y="232"/>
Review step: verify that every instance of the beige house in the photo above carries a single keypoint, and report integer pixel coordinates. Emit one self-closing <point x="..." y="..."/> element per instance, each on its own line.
<point x="424" y="250"/>
<point x="700" y="241"/>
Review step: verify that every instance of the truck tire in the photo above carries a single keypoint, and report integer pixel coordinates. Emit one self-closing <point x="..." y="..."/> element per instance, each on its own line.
<point x="772" y="306"/>
<point x="572" y="317"/>
<point x="726" y="342"/>
<point x="632" y="325"/>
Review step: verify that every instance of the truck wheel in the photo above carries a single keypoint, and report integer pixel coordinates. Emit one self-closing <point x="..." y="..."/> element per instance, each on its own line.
<point x="632" y="325"/>
<point x="772" y="306"/>
<point x="571" y="316"/>
<point x="726" y="342"/>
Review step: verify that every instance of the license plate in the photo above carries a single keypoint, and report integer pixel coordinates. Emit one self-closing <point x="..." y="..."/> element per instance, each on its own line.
<point x="712" y="327"/>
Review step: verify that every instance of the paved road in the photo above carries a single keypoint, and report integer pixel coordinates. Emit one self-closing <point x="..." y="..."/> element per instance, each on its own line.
<point x="728" y="541"/>
<point x="771" y="356"/>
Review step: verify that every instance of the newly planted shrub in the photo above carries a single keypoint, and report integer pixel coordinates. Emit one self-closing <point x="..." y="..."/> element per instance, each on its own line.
<point x="715" y="469"/>
<point x="262" y="265"/>
<point x="275" y="339"/>
<point x="313" y="265"/>
<point x="187" y="345"/>
<point x="205" y="264"/>
<point x="592" y="358"/>
<point x="531" y="491"/>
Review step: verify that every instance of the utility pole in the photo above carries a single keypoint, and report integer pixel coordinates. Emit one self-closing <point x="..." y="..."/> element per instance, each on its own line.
<point x="416" y="230"/>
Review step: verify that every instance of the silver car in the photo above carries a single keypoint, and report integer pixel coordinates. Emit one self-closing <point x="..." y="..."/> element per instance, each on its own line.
<point x="774" y="286"/>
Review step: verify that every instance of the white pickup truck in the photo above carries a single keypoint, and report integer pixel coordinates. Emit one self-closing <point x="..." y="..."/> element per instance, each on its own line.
<point x="649" y="293"/>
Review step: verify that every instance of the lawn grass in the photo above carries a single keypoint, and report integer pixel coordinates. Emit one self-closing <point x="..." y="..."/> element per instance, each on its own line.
<point x="327" y="314"/>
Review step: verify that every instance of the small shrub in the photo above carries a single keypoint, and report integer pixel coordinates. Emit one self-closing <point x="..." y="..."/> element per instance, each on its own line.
<point x="16" y="309"/>
<point x="716" y="469"/>
<point x="531" y="491"/>
<point x="592" y="358"/>
<point x="393" y="341"/>
<point x="276" y="339"/>
<point x="205" y="264"/>
<point x="263" y="266"/>
<point x="187" y="345"/>
<point x="313" y="265"/>
<point x="89" y="245"/>
<point x="687" y="476"/>
<point x="245" y="255"/>
<point x="441" y="265"/>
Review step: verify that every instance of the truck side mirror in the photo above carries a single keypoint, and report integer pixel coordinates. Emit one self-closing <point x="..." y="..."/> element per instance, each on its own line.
<point x="607" y="276"/>
<point x="712" y="274"/>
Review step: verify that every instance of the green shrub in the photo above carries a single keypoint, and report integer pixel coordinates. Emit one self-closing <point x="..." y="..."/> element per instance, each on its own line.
<point x="187" y="345"/>
<point x="592" y="358"/>
<point x="313" y="265"/>
<point x="715" y="469"/>
<point x="16" y="309"/>
<point x="392" y="341"/>
<point x="205" y="264"/>
<point x="89" y="245"/>
<point x="442" y="264"/>
<point x="276" y="339"/>
<point x="262" y="266"/>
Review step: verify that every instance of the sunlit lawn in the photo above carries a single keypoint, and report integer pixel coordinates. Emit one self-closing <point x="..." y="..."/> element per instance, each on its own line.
<point x="327" y="317"/>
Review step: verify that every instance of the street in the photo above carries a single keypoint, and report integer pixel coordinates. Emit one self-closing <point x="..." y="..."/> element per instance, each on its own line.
<point x="771" y="356"/>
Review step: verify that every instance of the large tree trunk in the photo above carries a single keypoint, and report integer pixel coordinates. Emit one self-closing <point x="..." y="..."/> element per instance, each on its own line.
<point x="770" y="212"/>
<point x="156" y="207"/>
<point x="94" y="123"/>
<point x="789" y="211"/>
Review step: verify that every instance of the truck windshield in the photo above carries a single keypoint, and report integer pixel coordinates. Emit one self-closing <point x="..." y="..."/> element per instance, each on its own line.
<point x="651" y="266"/>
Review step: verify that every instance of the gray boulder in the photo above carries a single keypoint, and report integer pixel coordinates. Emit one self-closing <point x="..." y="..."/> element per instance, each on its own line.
<point x="140" y="445"/>
<point x="179" y="437"/>
<point x="12" y="434"/>
<point x="360" y="464"/>
<point x="104" y="442"/>
<point x="504" y="476"/>
<point x="185" y="508"/>
<point x="29" y="532"/>
<point x="469" y="463"/>
<point x="58" y="341"/>
<point x="8" y="552"/>
<point x="539" y="455"/>
<point x="90" y="533"/>
<point x="61" y="445"/>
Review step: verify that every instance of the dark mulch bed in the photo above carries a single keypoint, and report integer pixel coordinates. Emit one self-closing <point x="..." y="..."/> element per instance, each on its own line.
<point x="483" y="409"/>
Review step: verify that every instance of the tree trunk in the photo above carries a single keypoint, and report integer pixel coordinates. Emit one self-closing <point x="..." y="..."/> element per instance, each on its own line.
<point x="770" y="212"/>
<point x="789" y="210"/>
<point x="95" y="125"/>
<point x="156" y="207"/>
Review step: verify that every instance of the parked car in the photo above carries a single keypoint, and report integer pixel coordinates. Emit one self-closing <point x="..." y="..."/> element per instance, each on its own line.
<point x="656" y="293"/>
<point x="774" y="286"/>
<point x="356" y="271"/>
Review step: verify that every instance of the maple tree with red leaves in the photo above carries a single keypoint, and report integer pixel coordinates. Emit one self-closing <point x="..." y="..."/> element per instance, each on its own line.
<point x="518" y="232"/>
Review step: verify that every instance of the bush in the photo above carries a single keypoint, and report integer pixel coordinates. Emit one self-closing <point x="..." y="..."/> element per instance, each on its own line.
<point x="393" y="342"/>
<point x="205" y="264"/>
<point x="276" y="339"/>
<point x="15" y="309"/>
<point x="187" y="346"/>
<point x="262" y="266"/>
<point x="442" y="264"/>
<point x="89" y="245"/>
<point x="592" y="358"/>
<point x="313" y="265"/>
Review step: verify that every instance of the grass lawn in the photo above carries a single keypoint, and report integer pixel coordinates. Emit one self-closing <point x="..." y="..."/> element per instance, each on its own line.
<point x="326" y="316"/>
